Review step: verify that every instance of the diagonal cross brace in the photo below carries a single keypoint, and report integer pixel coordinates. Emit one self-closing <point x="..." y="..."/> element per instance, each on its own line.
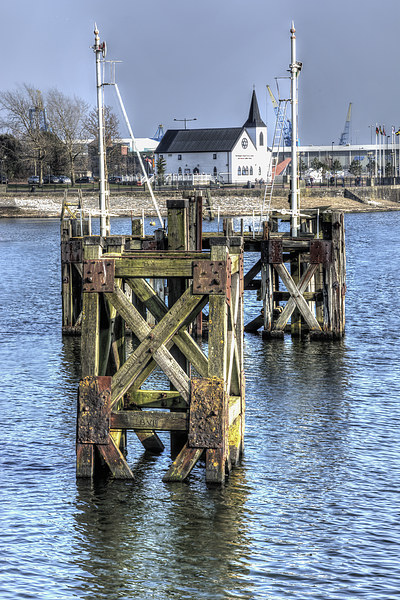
<point x="142" y="330"/>
<point x="296" y="297"/>
<point x="184" y="310"/>
<point x="184" y="341"/>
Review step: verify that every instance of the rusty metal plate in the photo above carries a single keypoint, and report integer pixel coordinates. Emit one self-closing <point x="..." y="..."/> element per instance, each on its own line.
<point x="71" y="251"/>
<point x="212" y="277"/>
<point x="275" y="251"/>
<point x="94" y="400"/>
<point x="320" y="252"/>
<point x="207" y="413"/>
<point x="98" y="275"/>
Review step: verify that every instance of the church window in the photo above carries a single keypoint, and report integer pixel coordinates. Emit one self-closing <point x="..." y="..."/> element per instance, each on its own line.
<point x="180" y="171"/>
<point x="261" y="138"/>
<point x="179" y="156"/>
<point x="259" y="170"/>
<point x="239" y="171"/>
<point x="251" y="170"/>
<point x="214" y="156"/>
<point x="215" y="171"/>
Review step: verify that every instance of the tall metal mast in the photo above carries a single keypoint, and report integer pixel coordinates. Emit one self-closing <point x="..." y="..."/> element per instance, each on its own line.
<point x="100" y="52"/>
<point x="295" y="68"/>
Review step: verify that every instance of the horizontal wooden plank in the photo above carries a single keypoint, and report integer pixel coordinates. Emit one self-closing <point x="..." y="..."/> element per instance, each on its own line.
<point x="156" y="254"/>
<point x="281" y="296"/>
<point x="151" y="419"/>
<point x="147" y="266"/>
<point x="154" y="399"/>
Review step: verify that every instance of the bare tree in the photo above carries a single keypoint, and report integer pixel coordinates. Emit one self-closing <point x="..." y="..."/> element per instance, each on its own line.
<point x="111" y="125"/>
<point x="111" y="132"/>
<point x="25" y="118"/>
<point x="68" y="118"/>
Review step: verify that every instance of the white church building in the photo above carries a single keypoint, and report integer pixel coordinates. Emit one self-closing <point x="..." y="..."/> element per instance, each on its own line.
<point x="229" y="155"/>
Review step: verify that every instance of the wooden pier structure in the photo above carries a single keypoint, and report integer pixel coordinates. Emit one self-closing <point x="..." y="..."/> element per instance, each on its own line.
<point x="140" y="303"/>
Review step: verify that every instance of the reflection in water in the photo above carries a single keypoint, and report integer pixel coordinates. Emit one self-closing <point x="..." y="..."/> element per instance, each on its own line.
<point x="313" y="511"/>
<point x="162" y="541"/>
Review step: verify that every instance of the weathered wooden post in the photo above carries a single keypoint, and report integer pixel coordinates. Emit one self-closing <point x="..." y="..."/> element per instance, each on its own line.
<point x="178" y="240"/>
<point x="334" y="275"/>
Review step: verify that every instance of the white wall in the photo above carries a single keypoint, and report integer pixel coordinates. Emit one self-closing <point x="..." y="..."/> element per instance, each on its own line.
<point x="203" y="161"/>
<point x="250" y="157"/>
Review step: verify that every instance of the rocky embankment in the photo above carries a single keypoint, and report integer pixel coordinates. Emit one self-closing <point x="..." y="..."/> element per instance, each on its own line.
<point x="228" y="202"/>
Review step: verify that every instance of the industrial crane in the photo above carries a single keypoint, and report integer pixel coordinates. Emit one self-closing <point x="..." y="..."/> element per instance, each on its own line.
<point x="159" y="134"/>
<point x="286" y="123"/>
<point x="345" y="137"/>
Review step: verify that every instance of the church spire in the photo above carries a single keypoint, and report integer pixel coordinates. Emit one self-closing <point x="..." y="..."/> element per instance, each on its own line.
<point x="254" y="119"/>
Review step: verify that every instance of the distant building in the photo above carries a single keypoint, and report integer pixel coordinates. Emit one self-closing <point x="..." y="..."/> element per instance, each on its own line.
<point x="230" y="155"/>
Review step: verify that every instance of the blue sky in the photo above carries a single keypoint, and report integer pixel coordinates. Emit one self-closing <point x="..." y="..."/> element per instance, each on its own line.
<point x="185" y="59"/>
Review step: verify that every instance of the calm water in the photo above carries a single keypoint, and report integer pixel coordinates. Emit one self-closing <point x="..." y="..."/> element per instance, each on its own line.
<point x="312" y="513"/>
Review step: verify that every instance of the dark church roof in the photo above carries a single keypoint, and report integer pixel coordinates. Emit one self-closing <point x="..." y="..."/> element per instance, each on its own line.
<point x="199" y="140"/>
<point x="254" y="119"/>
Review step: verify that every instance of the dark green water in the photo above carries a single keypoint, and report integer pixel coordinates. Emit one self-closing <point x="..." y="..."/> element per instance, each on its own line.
<point x="312" y="513"/>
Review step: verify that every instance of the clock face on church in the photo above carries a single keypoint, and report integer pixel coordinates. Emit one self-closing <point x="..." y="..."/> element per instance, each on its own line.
<point x="245" y="143"/>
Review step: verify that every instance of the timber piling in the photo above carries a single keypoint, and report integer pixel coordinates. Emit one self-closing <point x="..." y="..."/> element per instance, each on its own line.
<point x="138" y="302"/>
<point x="203" y="408"/>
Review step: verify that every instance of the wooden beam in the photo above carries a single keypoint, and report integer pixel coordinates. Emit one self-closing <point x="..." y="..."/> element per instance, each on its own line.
<point x="155" y="420"/>
<point x="174" y="266"/>
<point x="234" y="408"/>
<point x="217" y="356"/>
<point x="183" y="464"/>
<point x="145" y="334"/>
<point x="85" y="460"/>
<point x="90" y="334"/>
<point x="296" y="296"/>
<point x="255" y="269"/>
<point x="176" y="318"/>
<point x="115" y="460"/>
<point x="154" y="399"/>
<point x="182" y="339"/>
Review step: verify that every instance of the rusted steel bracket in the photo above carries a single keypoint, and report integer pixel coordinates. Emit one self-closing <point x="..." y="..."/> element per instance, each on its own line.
<point x="94" y="401"/>
<point x="71" y="251"/>
<point x="98" y="275"/>
<point x="275" y="251"/>
<point x="320" y="252"/>
<point x="208" y="413"/>
<point x="212" y="277"/>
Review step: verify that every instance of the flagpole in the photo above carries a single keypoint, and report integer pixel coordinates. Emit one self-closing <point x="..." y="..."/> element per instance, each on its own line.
<point x="393" y="154"/>
<point x="376" y="152"/>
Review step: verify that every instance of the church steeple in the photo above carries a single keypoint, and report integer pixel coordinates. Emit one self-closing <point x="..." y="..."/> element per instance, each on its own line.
<point x="254" y="119"/>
